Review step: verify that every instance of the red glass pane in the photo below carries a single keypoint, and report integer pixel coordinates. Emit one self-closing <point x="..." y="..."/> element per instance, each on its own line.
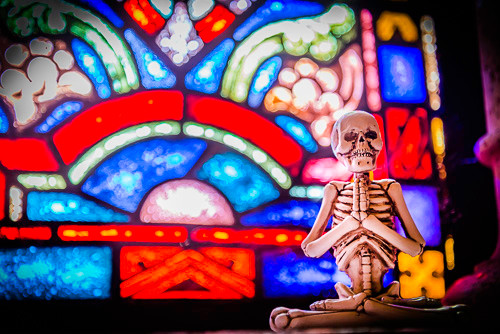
<point x="108" y="117"/>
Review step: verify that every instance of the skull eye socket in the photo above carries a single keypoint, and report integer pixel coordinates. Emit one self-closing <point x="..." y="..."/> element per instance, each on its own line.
<point x="371" y="135"/>
<point x="350" y="136"/>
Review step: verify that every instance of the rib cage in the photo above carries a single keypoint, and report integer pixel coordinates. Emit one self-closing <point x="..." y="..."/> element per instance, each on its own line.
<point x="380" y="204"/>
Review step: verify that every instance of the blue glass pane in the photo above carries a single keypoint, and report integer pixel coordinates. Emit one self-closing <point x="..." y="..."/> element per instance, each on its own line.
<point x="205" y="77"/>
<point x="287" y="274"/>
<point x="298" y="132"/>
<point x="126" y="177"/>
<point x="55" y="273"/>
<point x="59" y="114"/>
<point x="401" y="74"/>
<point x="423" y="204"/>
<point x="4" y="121"/>
<point x="154" y="73"/>
<point x="296" y="213"/>
<point x="243" y="183"/>
<point x="62" y="207"/>
<point x="264" y="79"/>
<point x="275" y="10"/>
<point x="90" y="63"/>
<point x="105" y="10"/>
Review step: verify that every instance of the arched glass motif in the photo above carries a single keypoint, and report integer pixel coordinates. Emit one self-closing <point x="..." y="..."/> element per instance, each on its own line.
<point x="188" y="142"/>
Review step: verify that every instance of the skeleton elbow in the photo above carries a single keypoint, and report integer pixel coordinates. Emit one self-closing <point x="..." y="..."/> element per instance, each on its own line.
<point x="415" y="249"/>
<point x="312" y="251"/>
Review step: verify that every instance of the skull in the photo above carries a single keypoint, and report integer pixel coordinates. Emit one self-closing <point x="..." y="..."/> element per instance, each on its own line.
<point x="356" y="141"/>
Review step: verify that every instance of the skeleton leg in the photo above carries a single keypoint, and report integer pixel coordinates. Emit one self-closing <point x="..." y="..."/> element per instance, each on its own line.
<point x="404" y="313"/>
<point x="343" y="291"/>
<point x="319" y="246"/>
<point x="392" y="292"/>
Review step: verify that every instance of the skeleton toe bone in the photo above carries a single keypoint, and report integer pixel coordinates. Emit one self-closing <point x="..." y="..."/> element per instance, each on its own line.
<point x="349" y="304"/>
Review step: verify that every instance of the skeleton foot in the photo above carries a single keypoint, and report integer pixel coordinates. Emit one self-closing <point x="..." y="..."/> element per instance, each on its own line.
<point x="351" y="303"/>
<point x="412" y="302"/>
<point x="383" y="310"/>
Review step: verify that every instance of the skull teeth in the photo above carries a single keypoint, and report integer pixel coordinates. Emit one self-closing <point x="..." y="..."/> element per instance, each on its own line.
<point x="361" y="154"/>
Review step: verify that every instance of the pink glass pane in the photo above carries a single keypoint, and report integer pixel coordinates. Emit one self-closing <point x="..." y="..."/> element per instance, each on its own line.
<point x="186" y="202"/>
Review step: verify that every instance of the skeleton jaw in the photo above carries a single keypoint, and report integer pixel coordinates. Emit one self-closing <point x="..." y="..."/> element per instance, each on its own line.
<point x="359" y="160"/>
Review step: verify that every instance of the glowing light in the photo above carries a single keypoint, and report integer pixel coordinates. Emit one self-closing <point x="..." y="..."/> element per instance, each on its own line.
<point x="92" y="66"/>
<point x="153" y="273"/>
<point x="56" y="273"/>
<point x="198" y="9"/>
<point x="117" y="141"/>
<point x="422" y="275"/>
<point x="423" y="204"/>
<point x="17" y="54"/>
<point x="243" y="122"/>
<point x="437" y="132"/>
<point x="59" y="114"/>
<point x="313" y="94"/>
<point x="298" y="132"/>
<point x="214" y="24"/>
<point x="291" y="213"/>
<point x="325" y="170"/>
<point x="311" y="192"/>
<point x="370" y="60"/>
<point x="178" y="40"/>
<point x="287" y="273"/>
<point x="30" y="92"/>
<point x="154" y="73"/>
<point x="274" y="10"/>
<point x="186" y="202"/>
<point x="74" y="138"/>
<point x="389" y="22"/>
<point x="105" y="10"/>
<point x="264" y="79"/>
<point x="449" y="252"/>
<point x="4" y="121"/>
<point x="85" y="25"/>
<point x="145" y="15"/>
<point x="128" y="175"/>
<point x="401" y="74"/>
<point x="205" y="76"/>
<point x="430" y="61"/>
<point x="251" y="151"/>
<point x="27" y="154"/>
<point x="63" y="207"/>
<point x="279" y="237"/>
<point x="42" y="181"/>
<point x="15" y="203"/>
<point x="407" y="140"/>
<point x="2" y="195"/>
<point x="164" y="7"/>
<point x="244" y="184"/>
<point x="25" y="233"/>
<point x="123" y="233"/>
<point x="296" y="37"/>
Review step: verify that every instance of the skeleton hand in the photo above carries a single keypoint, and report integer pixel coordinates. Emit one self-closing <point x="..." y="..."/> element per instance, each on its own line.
<point x="360" y="201"/>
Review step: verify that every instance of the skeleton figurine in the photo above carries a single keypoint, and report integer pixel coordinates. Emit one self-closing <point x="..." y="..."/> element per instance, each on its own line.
<point x="363" y="238"/>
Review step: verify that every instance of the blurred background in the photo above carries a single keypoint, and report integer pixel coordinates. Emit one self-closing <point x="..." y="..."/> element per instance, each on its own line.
<point x="162" y="161"/>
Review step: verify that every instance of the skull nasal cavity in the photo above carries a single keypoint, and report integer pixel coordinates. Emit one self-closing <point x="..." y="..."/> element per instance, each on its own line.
<point x="361" y="139"/>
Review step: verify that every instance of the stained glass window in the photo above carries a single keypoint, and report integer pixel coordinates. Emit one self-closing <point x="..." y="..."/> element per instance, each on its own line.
<point x="183" y="146"/>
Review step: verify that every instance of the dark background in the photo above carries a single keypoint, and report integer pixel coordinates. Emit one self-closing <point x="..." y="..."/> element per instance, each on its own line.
<point x="470" y="215"/>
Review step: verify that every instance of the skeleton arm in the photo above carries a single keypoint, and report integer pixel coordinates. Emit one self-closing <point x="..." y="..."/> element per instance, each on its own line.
<point x="316" y="244"/>
<point x="414" y="243"/>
